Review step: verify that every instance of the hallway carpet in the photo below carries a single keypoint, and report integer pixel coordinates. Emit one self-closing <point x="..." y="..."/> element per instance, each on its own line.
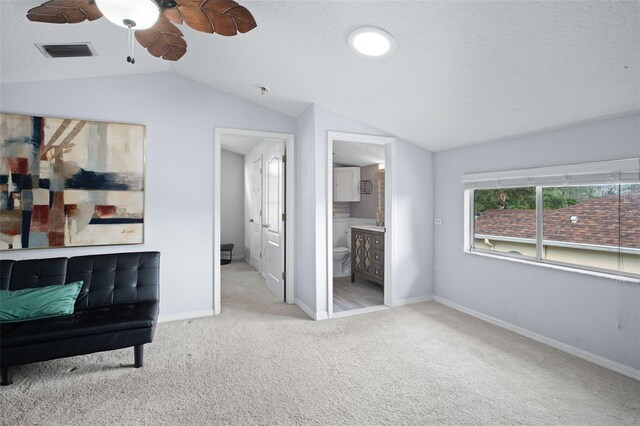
<point x="264" y="362"/>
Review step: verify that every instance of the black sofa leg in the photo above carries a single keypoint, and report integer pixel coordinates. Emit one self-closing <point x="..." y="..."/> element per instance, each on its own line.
<point x="6" y="376"/>
<point x="138" y="353"/>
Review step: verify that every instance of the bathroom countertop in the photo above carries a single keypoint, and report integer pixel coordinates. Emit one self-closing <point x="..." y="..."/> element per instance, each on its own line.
<point x="372" y="228"/>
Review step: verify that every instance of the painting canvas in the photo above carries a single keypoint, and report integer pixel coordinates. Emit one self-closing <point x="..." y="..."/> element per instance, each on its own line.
<point x="68" y="183"/>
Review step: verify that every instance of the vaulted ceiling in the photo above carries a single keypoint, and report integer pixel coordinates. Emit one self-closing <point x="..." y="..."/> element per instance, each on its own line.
<point x="462" y="72"/>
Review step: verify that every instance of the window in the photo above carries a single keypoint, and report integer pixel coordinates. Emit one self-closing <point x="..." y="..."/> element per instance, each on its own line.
<point x="592" y="226"/>
<point x="505" y="220"/>
<point x="584" y="216"/>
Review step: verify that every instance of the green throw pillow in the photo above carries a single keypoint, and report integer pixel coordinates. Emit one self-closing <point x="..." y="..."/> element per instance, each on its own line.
<point x="36" y="303"/>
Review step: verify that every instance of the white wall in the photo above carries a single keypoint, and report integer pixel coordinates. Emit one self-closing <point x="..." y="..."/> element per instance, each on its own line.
<point x="305" y="232"/>
<point x="180" y="116"/>
<point x="413" y="222"/>
<point x="232" y="201"/>
<point x="593" y="314"/>
<point x="413" y="215"/>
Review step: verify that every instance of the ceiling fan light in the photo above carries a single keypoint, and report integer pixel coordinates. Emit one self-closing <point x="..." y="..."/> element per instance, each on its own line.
<point x="372" y="42"/>
<point x="144" y="13"/>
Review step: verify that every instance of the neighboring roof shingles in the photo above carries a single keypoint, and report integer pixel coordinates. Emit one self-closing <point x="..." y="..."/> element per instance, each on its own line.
<point x="598" y="222"/>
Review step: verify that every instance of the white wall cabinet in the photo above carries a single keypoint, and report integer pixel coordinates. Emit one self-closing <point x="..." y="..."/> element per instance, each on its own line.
<point x="345" y="183"/>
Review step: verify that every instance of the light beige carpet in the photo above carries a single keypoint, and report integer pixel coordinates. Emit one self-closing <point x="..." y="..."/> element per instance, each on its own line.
<point x="264" y="362"/>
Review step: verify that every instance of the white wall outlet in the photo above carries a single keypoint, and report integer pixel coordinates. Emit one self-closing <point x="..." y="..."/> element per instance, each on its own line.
<point x="437" y="221"/>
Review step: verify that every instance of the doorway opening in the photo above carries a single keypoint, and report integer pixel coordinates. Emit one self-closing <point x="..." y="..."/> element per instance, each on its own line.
<point x="253" y="210"/>
<point x="359" y="223"/>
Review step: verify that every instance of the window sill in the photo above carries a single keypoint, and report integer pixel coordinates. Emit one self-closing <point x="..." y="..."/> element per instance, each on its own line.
<point x="557" y="267"/>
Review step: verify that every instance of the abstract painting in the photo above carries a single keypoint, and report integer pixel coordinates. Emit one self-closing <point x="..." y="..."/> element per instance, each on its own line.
<point x="68" y="183"/>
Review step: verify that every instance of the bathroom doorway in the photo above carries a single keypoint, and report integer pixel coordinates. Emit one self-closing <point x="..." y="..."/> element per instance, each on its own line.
<point x="359" y="223"/>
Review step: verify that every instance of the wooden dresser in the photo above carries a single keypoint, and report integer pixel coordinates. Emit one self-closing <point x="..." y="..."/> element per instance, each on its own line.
<point x="367" y="254"/>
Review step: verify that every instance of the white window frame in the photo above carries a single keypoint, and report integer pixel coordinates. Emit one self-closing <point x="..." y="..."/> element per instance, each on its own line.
<point x="605" y="172"/>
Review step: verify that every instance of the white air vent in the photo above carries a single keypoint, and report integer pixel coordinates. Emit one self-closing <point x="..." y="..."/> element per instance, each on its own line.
<point x="67" y="50"/>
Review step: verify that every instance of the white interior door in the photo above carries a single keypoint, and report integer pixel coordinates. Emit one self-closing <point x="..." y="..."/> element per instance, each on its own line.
<point x="273" y="225"/>
<point x="255" y="221"/>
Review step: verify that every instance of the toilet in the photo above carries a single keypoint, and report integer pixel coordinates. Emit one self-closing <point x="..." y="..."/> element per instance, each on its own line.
<point x="341" y="248"/>
<point x="341" y="262"/>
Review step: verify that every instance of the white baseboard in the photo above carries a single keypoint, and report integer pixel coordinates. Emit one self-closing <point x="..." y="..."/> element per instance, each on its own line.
<point x="412" y="300"/>
<point x="625" y="370"/>
<point x="185" y="315"/>
<point x="317" y="316"/>
<point x="307" y="310"/>
<point x="359" y="311"/>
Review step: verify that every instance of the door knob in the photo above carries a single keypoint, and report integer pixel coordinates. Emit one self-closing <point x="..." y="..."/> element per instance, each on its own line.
<point x="250" y="220"/>
<point x="265" y="226"/>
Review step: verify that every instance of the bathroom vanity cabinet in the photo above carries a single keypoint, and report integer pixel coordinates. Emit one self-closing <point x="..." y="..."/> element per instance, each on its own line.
<point x="367" y="253"/>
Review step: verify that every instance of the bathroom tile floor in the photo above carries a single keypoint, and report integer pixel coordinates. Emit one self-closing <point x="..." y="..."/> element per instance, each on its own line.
<point x="349" y="295"/>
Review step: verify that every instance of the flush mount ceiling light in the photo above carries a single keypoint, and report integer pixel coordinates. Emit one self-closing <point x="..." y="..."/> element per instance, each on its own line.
<point x="372" y="42"/>
<point x="140" y="14"/>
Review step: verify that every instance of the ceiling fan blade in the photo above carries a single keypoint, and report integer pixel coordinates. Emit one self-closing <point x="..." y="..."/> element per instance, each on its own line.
<point x="173" y="14"/>
<point x="65" y="12"/>
<point x="163" y="40"/>
<point x="224" y="17"/>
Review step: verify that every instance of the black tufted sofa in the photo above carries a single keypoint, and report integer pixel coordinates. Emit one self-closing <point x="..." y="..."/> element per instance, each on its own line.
<point x="117" y="307"/>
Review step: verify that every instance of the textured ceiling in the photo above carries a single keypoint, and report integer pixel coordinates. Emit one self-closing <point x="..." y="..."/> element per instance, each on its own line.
<point x="462" y="73"/>
<point x="239" y="144"/>
<point x="357" y="154"/>
<point x="20" y="60"/>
